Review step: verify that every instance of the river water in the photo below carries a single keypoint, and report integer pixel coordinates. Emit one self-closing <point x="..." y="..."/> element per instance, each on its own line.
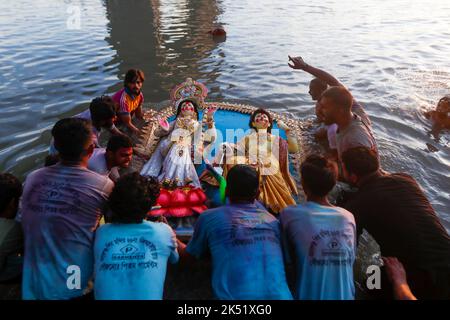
<point x="55" y="56"/>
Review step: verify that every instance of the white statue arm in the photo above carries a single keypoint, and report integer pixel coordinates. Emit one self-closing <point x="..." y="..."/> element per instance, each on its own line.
<point x="208" y="119"/>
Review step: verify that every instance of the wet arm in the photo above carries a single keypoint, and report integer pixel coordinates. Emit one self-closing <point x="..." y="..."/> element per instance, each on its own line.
<point x="126" y="119"/>
<point x="115" y="131"/>
<point x="139" y="113"/>
<point x="185" y="257"/>
<point x="322" y="75"/>
<point x="397" y="275"/>
<point x="298" y="63"/>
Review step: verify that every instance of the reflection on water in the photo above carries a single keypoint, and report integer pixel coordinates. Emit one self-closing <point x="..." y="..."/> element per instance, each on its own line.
<point x="167" y="39"/>
<point x="392" y="56"/>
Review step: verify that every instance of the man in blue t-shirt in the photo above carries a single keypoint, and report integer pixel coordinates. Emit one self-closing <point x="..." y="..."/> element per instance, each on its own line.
<point x="320" y="237"/>
<point x="131" y="254"/>
<point x="244" y="243"/>
<point x="60" y="209"/>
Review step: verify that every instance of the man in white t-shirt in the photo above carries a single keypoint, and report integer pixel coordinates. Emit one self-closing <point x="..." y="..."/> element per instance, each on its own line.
<point x="322" y="81"/>
<point x="320" y="238"/>
<point x="118" y="154"/>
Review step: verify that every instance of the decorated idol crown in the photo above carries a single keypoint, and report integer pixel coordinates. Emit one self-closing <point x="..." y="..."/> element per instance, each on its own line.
<point x="189" y="90"/>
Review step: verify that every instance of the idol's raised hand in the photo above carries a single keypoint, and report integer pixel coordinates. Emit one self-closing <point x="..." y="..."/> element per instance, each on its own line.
<point x="297" y="63"/>
<point x="283" y="125"/>
<point x="211" y="110"/>
<point x="164" y="124"/>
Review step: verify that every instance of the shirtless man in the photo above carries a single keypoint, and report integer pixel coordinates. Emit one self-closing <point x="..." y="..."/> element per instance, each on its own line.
<point x="322" y="81"/>
<point x="440" y="117"/>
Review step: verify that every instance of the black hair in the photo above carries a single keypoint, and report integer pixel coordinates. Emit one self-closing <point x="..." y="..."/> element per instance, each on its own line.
<point x="132" y="75"/>
<point x="255" y="113"/>
<point x="51" y="160"/>
<point x="10" y="188"/>
<point x="102" y="109"/>
<point x="118" y="141"/>
<point x="242" y="182"/>
<point x="319" y="175"/>
<point x="360" y="161"/>
<point x="71" y="136"/>
<point x="193" y="103"/>
<point x="132" y="197"/>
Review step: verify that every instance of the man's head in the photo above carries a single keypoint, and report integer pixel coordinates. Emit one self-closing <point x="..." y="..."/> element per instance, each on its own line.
<point x="261" y="119"/>
<point x="103" y="112"/>
<point x="10" y="192"/>
<point x="335" y="104"/>
<point x="134" y="79"/>
<point x="316" y="88"/>
<point x="51" y="160"/>
<point x="73" y="139"/>
<point x="132" y="197"/>
<point x="443" y="105"/>
<point x="119" y="151"/>
<point x="319" y="176"/>
<point x="359" y="162"/>
<point x="242" y="184"/>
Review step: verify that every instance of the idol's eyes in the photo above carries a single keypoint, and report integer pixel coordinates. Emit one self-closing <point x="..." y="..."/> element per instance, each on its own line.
<point x="187" y="107"/>
<point x="260" y="118"/>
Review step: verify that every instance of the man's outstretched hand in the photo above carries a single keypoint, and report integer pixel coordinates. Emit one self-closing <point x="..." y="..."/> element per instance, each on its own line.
<point x="397" y="275"/>
<point x="297" y="63"/>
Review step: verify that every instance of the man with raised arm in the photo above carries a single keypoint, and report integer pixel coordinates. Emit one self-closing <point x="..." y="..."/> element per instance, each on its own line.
<point x="321" y="82"/>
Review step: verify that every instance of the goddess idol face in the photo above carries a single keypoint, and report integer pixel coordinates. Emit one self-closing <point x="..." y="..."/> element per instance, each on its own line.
<point x="261" y="121"/>
<point x="187" y="109"/>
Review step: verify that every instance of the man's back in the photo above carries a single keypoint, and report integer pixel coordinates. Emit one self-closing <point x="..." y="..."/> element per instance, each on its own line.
<point x="131" y="260"/>
<point x="244" y="242"/>
<point x="395" y="211"/>
<point x="60" y="209"/>
<point x="357" y="134"/>
<point x="322" y="240"/>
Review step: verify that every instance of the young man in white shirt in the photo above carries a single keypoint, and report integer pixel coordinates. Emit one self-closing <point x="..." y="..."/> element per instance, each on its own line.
<point x="118" y="154"/>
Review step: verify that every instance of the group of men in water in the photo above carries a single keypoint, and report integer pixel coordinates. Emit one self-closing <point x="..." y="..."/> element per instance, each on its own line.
<point x="57" y="243"/>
